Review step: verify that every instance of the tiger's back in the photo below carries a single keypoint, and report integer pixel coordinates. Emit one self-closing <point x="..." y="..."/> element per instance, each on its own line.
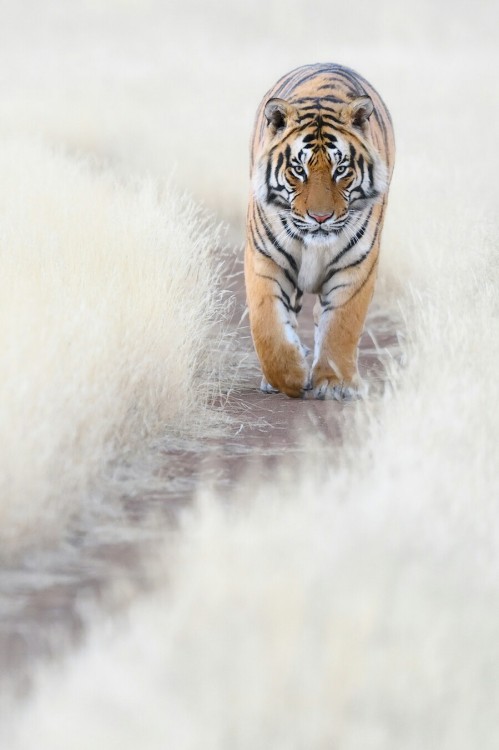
<point x="322" y="155"/>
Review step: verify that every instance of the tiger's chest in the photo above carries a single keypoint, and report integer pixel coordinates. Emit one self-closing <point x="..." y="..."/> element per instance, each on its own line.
<point x="314" y="261"/>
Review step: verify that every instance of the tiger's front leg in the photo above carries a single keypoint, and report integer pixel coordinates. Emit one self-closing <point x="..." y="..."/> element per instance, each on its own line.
<point x="271" y="299"/>
<point x="337" y="333"/>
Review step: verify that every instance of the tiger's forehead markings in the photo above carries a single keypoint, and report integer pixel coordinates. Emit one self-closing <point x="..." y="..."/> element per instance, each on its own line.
<point x="309" y="150"/>
<point x="318" y="139"/>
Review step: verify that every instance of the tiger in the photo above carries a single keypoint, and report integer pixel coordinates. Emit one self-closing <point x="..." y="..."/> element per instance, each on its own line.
<point x="321" y="161"/>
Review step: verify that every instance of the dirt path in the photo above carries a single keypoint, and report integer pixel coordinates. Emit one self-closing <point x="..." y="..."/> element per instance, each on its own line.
<point x="44" y="596"/>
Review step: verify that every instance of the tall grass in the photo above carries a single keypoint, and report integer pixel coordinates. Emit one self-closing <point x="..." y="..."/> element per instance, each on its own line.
<point x="352" y="602"/>
<point x="107" y="303"/>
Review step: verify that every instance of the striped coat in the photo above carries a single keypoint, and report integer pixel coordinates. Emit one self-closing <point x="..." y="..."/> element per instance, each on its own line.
<point x="322" y="155"/>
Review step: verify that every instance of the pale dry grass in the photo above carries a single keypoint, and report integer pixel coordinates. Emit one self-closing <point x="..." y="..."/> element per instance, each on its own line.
<point x="108" y="301"/>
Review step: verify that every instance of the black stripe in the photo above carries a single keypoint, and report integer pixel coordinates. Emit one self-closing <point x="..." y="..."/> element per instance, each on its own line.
<point x="333" y="271"/>
<point x="331" y="98"/>
<point x="364" y="255"/>
<point x="356" y="262"/>
<point x="278" y="166"/>
<point x="267" y="176"/>
<point x="312" y="72"/>
<point x="288" y="308"/>
<point x="318" y="106"/>
<point x="288" y="84"/>
<point x="360" y="164"/>
<point x="338" y="79"/>
<point x="328" y="116"/>
<point x="299" y="295"/>
<point x="382" y="126"/>
<point x="289" y="278"/>
<point x="303" y="99"/>
<point x="310" y="137"/>
<point x="361" y="287"/>
<point x="318" y="99"/>
<point x="362" y="195"/>
<point x="274" y="242"/>
<point x="357" y="236"/>
<point x="276" y="199"/>
<point x="259" y="248"/>
<point x="292" y="231"/>
<point x="292" y="132"/>
<point x="370" y="172"/>
<point x="284" y="296"/>
<point x="309" y="107"/>
<point x="338" y="286"/>
<point x="307" y="116"/>
<point x="352" y="78"/>
<point x="261" y="245"/>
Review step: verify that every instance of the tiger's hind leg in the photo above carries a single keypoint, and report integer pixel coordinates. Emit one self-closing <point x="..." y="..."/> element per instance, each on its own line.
<point x="270" y="297"/>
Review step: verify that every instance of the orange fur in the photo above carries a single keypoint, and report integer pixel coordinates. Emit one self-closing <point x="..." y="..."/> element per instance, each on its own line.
<point x="321" y="160"/>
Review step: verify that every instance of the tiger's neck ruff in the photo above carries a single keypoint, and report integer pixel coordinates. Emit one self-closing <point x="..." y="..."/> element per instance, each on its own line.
<point x="321" y="161"/>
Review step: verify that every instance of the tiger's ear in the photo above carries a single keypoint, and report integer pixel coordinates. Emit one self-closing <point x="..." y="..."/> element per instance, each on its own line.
<point x="358" y="112"/>
<point x="278" y="113"/>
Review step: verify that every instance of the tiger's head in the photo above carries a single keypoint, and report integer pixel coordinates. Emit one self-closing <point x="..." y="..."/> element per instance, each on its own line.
<point x="317" y="167"/>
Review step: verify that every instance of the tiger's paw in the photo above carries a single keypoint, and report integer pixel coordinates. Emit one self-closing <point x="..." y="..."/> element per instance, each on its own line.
<point x="266" y="387"/>
<point x="293" y="383"/>
<point x="332" y="388"/>
<point x="284" y="370"/>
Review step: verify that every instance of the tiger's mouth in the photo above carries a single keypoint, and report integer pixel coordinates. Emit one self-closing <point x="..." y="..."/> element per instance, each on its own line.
<point x="335" y="229"/>
<point x="319" y="231"/>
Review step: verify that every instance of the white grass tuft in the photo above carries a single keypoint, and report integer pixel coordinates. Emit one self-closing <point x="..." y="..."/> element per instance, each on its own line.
<point x="108" y="294"/>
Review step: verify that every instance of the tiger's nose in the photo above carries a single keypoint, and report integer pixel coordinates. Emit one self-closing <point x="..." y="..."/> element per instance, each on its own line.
<point x="321" y="218"/>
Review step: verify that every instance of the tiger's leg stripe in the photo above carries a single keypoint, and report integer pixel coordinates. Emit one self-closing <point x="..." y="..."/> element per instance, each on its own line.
<point x="298" y="303"/>
<point x="359" y="288"/>
<point x="258" y="241"/>
<point x="273" y="326"/>
<point x="283" y="292"/>
<point x="334" y="370"/>
<point x="273" y="240"/>
<point x="330" y="306"/>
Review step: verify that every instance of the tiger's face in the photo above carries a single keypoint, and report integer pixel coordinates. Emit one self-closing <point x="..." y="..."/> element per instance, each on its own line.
<point x="318" y="170"/>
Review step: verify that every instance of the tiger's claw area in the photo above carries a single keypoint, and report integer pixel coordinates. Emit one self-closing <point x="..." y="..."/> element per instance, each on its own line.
<point x="266" y="387"/>
<point x="328" y="391"/>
